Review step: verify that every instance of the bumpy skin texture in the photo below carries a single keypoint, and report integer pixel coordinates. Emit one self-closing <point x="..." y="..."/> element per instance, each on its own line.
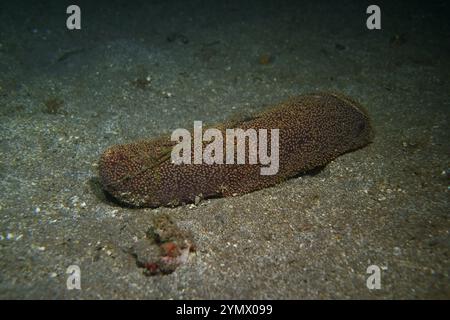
<point x="314" y="129"/>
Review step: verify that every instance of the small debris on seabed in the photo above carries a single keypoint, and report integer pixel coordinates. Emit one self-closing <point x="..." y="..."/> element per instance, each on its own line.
<point x="164" y="249"/>
<point x="53" y="105"/>
<point x="178" y="37"/>
<point x="142" y="83"/>
<point x="167" y="94"/>
<point x="398" y="39"/>
<point x="265" y="59"/>
<point x="340" y="47"/>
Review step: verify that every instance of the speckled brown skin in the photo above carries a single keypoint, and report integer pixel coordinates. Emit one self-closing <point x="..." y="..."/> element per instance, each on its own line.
<point x="314" y="129"/>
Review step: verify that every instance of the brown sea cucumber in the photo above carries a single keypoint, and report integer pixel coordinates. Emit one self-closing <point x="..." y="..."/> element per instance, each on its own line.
<point x="313" y="130"/>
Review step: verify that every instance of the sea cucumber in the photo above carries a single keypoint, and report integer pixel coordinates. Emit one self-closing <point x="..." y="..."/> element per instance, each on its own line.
<point x="313" y="130"/>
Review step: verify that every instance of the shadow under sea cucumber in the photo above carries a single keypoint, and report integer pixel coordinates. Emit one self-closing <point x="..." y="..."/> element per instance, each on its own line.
<point x="313" y="130"/>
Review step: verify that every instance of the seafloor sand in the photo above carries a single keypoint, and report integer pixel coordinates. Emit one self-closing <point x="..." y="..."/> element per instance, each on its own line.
<point x="66" y="96"/>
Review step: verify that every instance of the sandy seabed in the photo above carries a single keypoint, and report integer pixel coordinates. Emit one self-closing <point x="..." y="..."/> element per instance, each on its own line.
<point x="142" y="69"/>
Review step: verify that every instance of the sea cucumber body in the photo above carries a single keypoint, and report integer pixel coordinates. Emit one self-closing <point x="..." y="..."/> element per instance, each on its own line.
<point x="313" y="130"/>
